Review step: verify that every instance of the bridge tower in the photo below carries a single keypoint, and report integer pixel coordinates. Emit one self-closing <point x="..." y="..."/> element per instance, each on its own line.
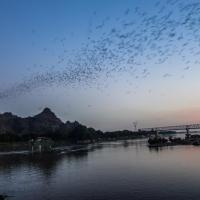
<point x="187" y="132"/>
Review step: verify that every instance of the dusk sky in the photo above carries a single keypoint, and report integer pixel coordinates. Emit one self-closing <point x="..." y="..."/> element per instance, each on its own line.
<point x="104" y="63"/>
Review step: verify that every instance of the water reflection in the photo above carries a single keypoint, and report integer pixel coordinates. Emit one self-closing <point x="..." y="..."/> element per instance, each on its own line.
<point x="46" y="163"/>
<point x="111" y="170"/>
<point x="159" y="149"/>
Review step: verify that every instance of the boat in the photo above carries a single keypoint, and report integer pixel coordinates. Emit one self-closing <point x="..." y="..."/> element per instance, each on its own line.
<point x="157" y="140"/>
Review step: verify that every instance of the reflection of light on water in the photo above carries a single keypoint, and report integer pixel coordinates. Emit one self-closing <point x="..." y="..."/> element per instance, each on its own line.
<point x="120" y="169"/>
<point x="14" y="152"/>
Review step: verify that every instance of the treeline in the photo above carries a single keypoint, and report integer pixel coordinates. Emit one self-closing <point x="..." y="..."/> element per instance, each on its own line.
<point x="46" y="124"/>
<point x="77" y="134"/>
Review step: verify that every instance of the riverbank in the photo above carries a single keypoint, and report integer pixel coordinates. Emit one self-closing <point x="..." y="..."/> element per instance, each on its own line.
<point x="6" y="147"/>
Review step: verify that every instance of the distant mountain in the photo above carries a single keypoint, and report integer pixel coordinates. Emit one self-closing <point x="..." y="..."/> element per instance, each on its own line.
<point x="41" y="123"/>
<point x="46" y="124"/>
<point x="10" y="123"/>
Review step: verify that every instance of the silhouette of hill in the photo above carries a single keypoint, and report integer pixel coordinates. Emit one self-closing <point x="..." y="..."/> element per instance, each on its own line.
<point x="47" y="124"/>
<point x="44" y="122"/>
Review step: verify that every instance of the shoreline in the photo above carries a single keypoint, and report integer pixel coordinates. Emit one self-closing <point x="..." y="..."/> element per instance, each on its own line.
<point x="24" y="147"/>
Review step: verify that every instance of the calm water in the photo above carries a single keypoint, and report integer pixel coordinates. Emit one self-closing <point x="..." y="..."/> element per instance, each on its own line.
<point x="116" y="170"/>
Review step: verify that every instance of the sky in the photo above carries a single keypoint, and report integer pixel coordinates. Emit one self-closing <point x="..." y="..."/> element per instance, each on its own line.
<point x="104" y="63"/>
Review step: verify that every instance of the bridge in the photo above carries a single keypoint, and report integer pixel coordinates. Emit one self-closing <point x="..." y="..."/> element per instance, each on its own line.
<point x="174" y="128"/>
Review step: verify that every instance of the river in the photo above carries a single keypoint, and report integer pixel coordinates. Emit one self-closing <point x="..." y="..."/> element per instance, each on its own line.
<point x="108" y="171"/>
